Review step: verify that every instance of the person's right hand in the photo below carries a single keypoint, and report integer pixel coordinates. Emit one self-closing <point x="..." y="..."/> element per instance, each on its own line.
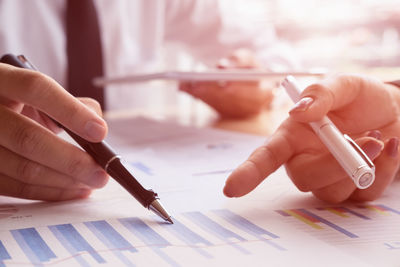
<point x="35" y="162"/>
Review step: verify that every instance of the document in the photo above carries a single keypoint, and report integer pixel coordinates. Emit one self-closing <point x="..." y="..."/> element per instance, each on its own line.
<point x="275" y="225"/>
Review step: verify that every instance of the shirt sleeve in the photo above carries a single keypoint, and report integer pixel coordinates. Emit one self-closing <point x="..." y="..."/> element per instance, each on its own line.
<point x="211" y="29"/>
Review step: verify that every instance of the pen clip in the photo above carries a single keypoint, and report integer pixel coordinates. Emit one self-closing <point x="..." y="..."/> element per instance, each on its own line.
<point x="360" y="151"/>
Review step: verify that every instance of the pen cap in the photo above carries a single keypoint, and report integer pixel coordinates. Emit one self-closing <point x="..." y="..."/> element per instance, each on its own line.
<point x="344" y="152"/>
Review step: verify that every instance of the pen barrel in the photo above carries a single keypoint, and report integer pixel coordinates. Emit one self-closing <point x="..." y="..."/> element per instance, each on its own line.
<point x="103" y="154"/>
<point x="129" y="182"/>
<point x="350" y="160"/>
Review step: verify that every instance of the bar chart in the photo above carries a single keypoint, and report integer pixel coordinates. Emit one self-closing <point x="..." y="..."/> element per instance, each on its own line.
<point x="132" y="240"/>
<point x="362" y="229"/>
<point x="343" y="220"/>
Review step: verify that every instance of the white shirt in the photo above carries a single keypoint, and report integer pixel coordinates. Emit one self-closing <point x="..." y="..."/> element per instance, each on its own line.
<point x="136" y="34"/>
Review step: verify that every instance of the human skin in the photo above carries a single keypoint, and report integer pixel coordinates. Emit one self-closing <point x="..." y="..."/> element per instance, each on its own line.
<point x="362" y="107"/>
<point x="233" y="99"/>
<point x="36" y="163"/>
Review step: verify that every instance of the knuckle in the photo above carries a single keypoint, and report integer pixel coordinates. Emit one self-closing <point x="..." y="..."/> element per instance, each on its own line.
<point x="75" y="166"/>
<point x="35" y="80"/>
<point x="71" y="113"/>
<point x="28" y="171"/>
<point x="27" y="140"/>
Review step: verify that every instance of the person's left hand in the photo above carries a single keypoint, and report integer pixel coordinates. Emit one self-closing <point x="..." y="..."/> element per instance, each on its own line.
<point x="365" y="108"/>
<point x="233" y="99"/>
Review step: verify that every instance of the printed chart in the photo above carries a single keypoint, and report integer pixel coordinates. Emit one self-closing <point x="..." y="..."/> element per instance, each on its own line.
<point x="205" y="238"/>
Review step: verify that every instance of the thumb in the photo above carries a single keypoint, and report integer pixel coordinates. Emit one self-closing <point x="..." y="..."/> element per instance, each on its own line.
<point x="328" y="95"/>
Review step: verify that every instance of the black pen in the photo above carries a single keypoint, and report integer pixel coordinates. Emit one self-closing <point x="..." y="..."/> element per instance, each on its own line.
<point x="103" y="154"/>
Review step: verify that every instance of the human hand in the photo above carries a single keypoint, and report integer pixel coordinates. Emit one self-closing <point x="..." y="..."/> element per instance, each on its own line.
<point x="233" y="99"/>
<point x="37" y="164"/>
<point x="364" y="108"/>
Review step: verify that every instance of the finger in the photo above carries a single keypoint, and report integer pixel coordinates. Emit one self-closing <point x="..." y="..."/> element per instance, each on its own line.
<point x="261" y="163"/>
<point x="92" y="104"/>
<point x="386" y="168"/>
<point x="337" y="192"/>
<point x="43" y="93"/>
<point x="27" y="171"/>
<point x="14" y="188"/>
<point x="32" y="141"/>
<point x="312" y="170"/>
<point x="41" y="118"/>
<point x="318" y="99"/>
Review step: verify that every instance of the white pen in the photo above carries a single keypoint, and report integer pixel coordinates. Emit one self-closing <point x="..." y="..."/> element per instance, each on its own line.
<point x="349" y="155"/>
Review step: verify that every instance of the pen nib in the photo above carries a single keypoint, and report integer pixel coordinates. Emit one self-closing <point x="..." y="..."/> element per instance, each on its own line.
<point x="158" y="209"/>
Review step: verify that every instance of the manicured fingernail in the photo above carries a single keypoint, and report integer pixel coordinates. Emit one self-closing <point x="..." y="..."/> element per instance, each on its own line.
<point x="392" y="147"/>
<point x="302" y="105"/>
<point x="98" y="179"/>
<point x="375" y="134"/>
<point x="372" y="148"/>
<point x="95" y="130"/>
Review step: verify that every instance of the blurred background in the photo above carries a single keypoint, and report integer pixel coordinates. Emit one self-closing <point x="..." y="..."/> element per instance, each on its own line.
<point x="340" y="35"/>
<point x="343" y="35"/>
<point x="359" y="36"/>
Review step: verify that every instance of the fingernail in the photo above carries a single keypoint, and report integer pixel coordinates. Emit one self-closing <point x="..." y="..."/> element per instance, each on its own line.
<point x="95" y="130"/>
<point x="375" y="134"/>
<point x="98" y="179"/>
<point x="372" y="148"/>
<point x="302" y="105"/>
<point x="392" y="147"/>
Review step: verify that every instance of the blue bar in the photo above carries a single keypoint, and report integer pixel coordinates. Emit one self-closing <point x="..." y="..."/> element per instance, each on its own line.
<point x="389" y="209"/>
<point x="150" y="237"/>
<point x="334" y="226"/>
<point x="33" y="245"/>
<point x="74" y="240"/>
<point x="144" y="232"/>
<point x="355" y="213"/>
<point x="112" y="239"/>
<point x="4" y="255"/>
<point x="243" y="223"/>
<point x="214" y="228"/>
<point x="247" y="226"/>
<point x="188" y="236"/>
<point x="140" y="166"/>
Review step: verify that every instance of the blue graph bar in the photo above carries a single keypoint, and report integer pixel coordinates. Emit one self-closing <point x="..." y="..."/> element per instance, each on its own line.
<point x="4" y="255"/>
<point x="214" y="228"/>
<point x="150" y="237"/>
<point x="355" y="213"/>
<point x="334" y="226"/>
<point x="112" y="239"/>
<point x="73" y="241"/>
<point x="33" y="245"/>
<point x="389" y="209"/>
<point x="140" y="166"/>
<point x="189" y="237"/>
<point x="247" y="226"/>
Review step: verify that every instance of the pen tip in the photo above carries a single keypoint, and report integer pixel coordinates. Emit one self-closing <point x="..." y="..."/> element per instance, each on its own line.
<point x="158" y="209"/>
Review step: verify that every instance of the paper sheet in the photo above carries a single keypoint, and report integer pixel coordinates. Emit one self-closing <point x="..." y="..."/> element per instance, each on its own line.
<point x="273" y="226"/>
